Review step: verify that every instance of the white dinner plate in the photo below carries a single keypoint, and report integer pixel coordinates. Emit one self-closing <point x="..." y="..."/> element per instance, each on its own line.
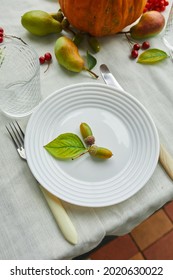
<point x="119" y="122"/>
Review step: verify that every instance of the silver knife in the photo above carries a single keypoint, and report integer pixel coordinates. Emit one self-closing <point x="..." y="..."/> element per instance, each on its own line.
<point x="108" y="77"/>
<point x="165" y="158"/>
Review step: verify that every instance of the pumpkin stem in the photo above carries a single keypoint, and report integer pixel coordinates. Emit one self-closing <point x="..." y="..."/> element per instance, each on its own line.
<point x="91" y="73"/>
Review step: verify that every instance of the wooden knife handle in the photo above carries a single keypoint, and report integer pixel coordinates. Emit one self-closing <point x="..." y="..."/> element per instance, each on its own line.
<point x="166" y="161"/>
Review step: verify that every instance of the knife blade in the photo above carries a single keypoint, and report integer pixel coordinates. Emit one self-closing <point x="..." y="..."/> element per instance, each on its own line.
<point x="108" y="77"/>
<point x="165" y="159"/>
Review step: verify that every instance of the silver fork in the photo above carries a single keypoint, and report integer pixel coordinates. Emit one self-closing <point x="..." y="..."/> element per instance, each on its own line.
<point x="67" y="228"/>
<point x="17" y="136"/>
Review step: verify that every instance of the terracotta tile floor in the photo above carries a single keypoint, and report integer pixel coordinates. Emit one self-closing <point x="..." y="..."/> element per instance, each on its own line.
<point x="151" y="240"/>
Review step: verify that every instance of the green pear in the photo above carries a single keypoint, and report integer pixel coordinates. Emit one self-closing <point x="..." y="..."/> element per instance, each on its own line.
<point x="68" y="56"/>
<point x="40" y="23"/>
<point x="150" y="24"/>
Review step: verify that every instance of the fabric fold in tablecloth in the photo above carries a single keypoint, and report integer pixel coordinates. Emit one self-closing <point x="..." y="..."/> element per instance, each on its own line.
<point x="131" y="212"/>
<point x="29" y="224"/>
<point x="28" y="229"/>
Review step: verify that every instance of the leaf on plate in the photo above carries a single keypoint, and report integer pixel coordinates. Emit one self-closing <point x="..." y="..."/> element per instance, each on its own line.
<point x="91" y="61"/>
<point x="66" y="146"/>
<point x="152" y="56"/>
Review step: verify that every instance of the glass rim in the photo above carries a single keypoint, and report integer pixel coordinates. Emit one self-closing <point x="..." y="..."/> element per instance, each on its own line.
<point x="25" y="45"/>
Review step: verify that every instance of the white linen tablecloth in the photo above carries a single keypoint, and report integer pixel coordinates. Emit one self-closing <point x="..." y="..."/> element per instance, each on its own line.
<point x="27" y="227"/>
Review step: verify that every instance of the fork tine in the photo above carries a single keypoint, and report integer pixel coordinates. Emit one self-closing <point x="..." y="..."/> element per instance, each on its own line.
<point x="13" y="139"/>
<point x="23" y="135"/>
<point x="19" y="132"/>
<point x="16" y="134"/>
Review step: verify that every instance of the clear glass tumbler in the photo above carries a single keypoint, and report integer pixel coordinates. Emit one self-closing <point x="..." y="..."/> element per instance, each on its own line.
<point x="168" y="32"/>
<point x="19" y="79"/>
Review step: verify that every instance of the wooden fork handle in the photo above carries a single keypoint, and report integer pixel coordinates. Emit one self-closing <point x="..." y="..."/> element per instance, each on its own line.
<point x="166" y="161"/>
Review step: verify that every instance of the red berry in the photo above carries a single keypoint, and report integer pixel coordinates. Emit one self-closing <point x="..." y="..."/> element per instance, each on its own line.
<point x="1" y="34"/>
<point x="1" y="30"/>
<point x="145" y="45"/>
<point x="156" y="5"/>
<point x="1" y="39"/>
<point x="148" y="5"/>
<point x="162" y="3"/>
<point x="48" y="56"/>
<point x="166" y="3"/>
<point x="162" y="8"/>
<point x="134" y="53"/>
<point x="42" y="59"/>
<point x="136" y="46"/>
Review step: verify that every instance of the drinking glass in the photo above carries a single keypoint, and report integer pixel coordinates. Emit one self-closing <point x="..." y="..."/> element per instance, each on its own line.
<point x="19" y="79"/>
<point x="168" y="33"/>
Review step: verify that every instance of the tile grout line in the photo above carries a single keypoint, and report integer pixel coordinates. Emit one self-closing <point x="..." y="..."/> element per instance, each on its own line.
<point x="142" y="251"/>
<point x="167" y="214"/>
<point x="139" y="250"/>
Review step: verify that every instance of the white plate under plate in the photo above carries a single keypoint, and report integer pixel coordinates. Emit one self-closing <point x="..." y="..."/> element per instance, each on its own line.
<point x="118" y="121"/>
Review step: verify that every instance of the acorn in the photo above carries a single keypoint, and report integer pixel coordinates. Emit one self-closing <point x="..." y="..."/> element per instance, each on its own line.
<point x="100" y="152"/>
<point x="89" y="140"/>
<point x="87" y="134"/>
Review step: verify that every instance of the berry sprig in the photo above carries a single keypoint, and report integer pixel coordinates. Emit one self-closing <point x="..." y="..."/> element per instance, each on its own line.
<point x="156" y="5"/>
<point x="3" y="35"/>
<point x="135" y="47"/>
<point x="46" y="58"/>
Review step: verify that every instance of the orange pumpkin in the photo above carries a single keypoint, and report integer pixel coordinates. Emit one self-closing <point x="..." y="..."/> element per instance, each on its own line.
<point x="102" y="17"/>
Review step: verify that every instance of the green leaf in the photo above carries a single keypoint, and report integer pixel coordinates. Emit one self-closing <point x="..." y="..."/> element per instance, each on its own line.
<point x="152" y="56"/>
<point x="66" y="146"/>
<point x="91" y="61"/>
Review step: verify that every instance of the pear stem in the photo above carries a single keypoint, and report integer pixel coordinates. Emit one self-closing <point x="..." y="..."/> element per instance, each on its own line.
<point x="91" y="73"/>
